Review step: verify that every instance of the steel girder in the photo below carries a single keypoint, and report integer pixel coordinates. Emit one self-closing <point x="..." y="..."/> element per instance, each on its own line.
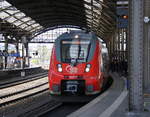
<point x="83" y="13"/>
<point x="136" y="55"/>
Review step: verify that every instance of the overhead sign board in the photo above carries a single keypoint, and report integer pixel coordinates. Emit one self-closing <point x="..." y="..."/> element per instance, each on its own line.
<point x="122" y="17"/>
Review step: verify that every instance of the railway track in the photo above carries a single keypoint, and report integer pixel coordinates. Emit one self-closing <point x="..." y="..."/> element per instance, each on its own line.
<point x="22" y="90"/>
<point x="32" y="99"/>
<point x="19" y="94"/>
<point x="37" y="112"/>
<point x="60" y="110"/>
<point x="53" y="109"/>
<point x="20" y="80"/>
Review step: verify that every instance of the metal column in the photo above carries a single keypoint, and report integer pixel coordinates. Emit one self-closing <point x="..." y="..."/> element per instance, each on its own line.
<point x="27" y="54"/>
<point x="23" y="60"/>
<point x="24" y="41"/>
<point x="6" y="51"/>
<point x="146" y="57"/>
<point x="136" y="55"/>
<point x="147" y="46"/>
<point x="17" y="47"/>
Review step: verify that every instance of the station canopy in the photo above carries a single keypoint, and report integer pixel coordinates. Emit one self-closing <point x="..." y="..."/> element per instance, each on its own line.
<point x="32" y="17"/>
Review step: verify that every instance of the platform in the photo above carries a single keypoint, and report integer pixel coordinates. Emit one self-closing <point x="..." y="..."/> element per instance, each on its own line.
<point x="11" y="73"/>
<point x="8" y="76"/>
<point x="18" y="69"/>
<point x="112" y="103"/>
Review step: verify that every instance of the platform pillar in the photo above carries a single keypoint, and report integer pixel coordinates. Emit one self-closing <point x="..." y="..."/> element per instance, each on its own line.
<point x="17" y="47"/>
<point x="6" y="51"/>
<point x="22" y="61"/>
<point x="146" y="57"/>
<point x="27" y="54"/>
<point x="24" y="42"/>
<point x="146" y="47"/>
<point x="136" y="38"/>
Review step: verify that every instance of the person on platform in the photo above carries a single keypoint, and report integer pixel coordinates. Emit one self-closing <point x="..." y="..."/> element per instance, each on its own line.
<point x="1" y="60"/>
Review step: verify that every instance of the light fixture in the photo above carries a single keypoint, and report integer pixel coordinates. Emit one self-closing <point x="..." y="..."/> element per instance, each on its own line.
<point x="87" y="69"/>
<point x="76" y="36"/>
<point x="59" y="67"/>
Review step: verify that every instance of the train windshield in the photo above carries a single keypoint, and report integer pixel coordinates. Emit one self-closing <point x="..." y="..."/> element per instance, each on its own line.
<point x="76" y="51"/>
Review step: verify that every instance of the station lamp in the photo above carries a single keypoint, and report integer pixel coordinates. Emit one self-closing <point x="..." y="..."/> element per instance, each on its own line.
<point x="124" y="16"/>
<point x="76" y="36"/>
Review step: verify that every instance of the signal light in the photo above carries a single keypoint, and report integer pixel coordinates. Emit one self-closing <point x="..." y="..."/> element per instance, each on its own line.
<point x="125" y="17"/>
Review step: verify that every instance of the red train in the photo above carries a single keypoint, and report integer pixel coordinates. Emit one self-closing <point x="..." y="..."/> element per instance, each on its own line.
<point x="78" y="64"/>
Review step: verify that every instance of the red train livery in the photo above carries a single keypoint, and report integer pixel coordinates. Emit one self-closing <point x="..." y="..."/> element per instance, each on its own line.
<point x="77" y="65"/>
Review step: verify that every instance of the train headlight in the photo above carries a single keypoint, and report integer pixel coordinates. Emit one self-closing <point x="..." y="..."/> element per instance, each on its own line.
<point x="87" y="69"/>
<point x="59" y="67"/>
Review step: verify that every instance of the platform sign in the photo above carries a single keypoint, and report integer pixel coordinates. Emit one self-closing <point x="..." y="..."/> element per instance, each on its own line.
<point x="122" y="11"/>
<point x="14" y="54"/>
<point x="122" y="23"/>
<point x="5" y="54"/>
<point x="122" y="17"/>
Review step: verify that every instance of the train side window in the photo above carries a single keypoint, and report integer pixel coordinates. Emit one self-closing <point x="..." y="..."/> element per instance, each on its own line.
<point x="102" y="64"/>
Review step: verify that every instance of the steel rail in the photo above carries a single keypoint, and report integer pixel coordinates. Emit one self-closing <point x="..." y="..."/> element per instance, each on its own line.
<point x="23" y="94"/>
<point x="19" y="80"/>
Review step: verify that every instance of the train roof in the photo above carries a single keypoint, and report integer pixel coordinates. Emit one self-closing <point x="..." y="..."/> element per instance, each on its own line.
<point x="77" y="34"/>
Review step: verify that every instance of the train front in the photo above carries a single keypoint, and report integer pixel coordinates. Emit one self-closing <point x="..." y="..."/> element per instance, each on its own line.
<point x="74" y="66"/>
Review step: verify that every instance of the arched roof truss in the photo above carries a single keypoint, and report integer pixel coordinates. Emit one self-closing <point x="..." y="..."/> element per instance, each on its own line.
<point x="36" y="16"/>
<point x="13" y="19"/>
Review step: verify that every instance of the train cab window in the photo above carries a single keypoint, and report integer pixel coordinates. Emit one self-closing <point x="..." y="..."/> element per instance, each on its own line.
<point x="75" y="50"/>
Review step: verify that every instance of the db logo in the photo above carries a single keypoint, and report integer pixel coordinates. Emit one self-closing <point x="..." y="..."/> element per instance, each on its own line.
<point x="71" y="69"/>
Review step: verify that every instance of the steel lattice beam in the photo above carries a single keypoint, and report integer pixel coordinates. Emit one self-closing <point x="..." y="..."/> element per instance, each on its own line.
<point x="136" y="55"/>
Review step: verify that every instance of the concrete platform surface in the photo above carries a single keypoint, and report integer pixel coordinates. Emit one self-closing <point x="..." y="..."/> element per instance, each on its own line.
<point x="112" y="103"/>
<point x="105" y="104"/>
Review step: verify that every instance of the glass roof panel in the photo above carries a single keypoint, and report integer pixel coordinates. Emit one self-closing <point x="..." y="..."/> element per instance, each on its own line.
<point x="89" y="20"/>
<point x="33" y="30"/>
<point x="30" y="22"/>
<point x="40" y="27"/>
<point x="37" y="28"/>
<point x="35" y="25"/>
<point x="4" y="4"/>
<point x="89" y="1"/>
<point x="88" y="16"/>
<point x="17" y="23"/>
<point x="23" y="26"/>
<point x="26" y="19"/>
<point x="11" y="19"/>
<point x="3" y="15"/>
<point x="87" y="6"/>
<point x="20" y="15"/>
<point x="29" y="28"/>
<point x="11" y="11"/>
<point x="13" y="15"/>
<point x="88" y="13"/>
<point x="96" y="4"/>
